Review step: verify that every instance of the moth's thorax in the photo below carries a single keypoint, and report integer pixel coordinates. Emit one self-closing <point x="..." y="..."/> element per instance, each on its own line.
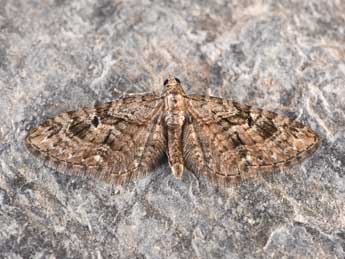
<point x="174" y="110"/>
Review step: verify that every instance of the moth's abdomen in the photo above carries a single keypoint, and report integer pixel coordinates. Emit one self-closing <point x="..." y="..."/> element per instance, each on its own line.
<point x="174" y="118"/>
<point x="175" y="155"/>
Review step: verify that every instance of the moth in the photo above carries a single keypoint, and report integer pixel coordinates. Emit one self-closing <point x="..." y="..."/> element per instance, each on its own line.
<point x="127" y="138"/>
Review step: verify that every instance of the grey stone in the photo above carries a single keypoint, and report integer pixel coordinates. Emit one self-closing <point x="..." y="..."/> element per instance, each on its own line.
<point x="285" y="56"/>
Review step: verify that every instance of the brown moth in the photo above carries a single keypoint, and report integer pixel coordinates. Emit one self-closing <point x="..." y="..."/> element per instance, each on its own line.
<point x="126" y="138"/>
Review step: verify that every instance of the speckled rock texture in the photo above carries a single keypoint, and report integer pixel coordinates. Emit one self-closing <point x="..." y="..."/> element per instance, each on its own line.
<point x="285" y="56"/>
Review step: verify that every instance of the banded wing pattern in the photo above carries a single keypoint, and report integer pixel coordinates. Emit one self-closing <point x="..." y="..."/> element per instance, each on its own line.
<point x="115" y="141"/>
<point x="229" y="142"/>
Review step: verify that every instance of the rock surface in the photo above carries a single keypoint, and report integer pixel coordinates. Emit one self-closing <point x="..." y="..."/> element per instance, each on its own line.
<point x="286" y="56"/>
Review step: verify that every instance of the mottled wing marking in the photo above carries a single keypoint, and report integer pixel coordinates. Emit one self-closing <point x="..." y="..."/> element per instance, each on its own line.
<point x="229" y="142"/>
<point x="115" y="141"/>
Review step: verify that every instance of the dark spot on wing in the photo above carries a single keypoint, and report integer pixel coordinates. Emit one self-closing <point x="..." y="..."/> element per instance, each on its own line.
<point x="95" y="121"/>
<point x="250" y="121"/>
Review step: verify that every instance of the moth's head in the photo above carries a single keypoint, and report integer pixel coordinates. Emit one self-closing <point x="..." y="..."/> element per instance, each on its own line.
<point x="172" y="85"/>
